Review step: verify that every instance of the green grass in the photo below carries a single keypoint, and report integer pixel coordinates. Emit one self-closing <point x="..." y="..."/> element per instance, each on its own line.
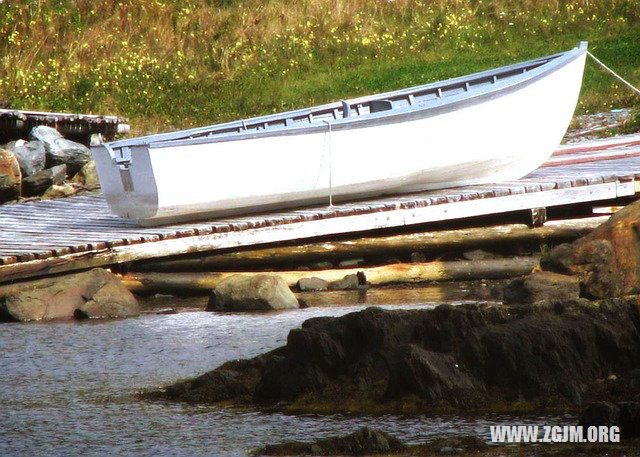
<point x="169" y="64"/>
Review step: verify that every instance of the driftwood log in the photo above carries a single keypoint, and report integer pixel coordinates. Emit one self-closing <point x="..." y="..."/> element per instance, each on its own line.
<point x="148" y="282"/>
<point x="501" y="235"/>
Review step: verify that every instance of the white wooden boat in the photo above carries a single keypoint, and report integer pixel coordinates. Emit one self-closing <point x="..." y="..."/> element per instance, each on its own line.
<point x="491" y="126"/>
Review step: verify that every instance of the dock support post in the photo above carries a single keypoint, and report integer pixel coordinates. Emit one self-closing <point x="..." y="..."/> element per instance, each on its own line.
<point x="538" y="217"/>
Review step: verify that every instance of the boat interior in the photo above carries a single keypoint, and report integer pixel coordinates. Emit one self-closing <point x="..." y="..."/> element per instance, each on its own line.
<point x="418" y="96"/>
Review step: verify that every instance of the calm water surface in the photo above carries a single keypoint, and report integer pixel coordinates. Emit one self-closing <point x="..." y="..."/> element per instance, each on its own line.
<point x="67" y="388"/>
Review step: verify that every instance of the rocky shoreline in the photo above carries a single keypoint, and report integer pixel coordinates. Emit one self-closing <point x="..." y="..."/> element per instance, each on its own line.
<point x="551" y="357"/>
<point x="45" y="165"/>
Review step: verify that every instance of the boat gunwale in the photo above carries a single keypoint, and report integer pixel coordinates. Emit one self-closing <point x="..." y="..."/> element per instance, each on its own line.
<point x="433" y="107"/>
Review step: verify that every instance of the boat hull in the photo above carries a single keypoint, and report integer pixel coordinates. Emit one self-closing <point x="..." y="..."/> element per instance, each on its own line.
<point x="498" y="137"/>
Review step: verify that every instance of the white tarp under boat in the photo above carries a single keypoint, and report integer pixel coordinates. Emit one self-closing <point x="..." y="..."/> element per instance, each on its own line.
<point x="491" y="126"/>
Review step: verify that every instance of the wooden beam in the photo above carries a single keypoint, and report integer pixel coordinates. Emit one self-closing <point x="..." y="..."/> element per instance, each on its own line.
<point x="386" y="274"/>
<point x="459" y="239"/>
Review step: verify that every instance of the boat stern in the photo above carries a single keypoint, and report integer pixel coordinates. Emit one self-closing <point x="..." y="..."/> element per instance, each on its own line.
<point x="127" y="180"/>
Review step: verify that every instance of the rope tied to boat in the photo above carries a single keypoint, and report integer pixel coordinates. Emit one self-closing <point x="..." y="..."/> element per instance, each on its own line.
<point x="328" y="148"/>
<point x="632" y="87"/>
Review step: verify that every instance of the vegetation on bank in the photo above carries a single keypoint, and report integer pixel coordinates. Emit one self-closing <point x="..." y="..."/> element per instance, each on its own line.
<point x="169" y="63"/>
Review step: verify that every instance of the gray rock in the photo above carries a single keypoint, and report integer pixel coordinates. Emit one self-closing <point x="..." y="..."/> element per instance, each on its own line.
<point x="542" y="285"/>
<point x="350" y="263"/>
<point x="60" y="191"/>
<point x="312" y="284"/>
<point x="96" y="139"/>
<point x="478" y="254"/>
<point x="31" y="156"/>
<point x="10" y="176"/>
<point x="38" y="183"/>
<point x="347" y="283"/>
<point x="91" y="294"/>
<point x="166" y="311"/>
<point x="112" y="299"/>
<point x="261" y="292"/>
<point x="87" y="176"/>
<point x="418" y="257"/>
<point x="324" y="265"/>
<point x="60" y="150"/>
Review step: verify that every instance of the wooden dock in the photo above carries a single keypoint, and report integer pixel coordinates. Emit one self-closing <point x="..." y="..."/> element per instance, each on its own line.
<point x="16" y="124"/>
<point x="55" y="236"/>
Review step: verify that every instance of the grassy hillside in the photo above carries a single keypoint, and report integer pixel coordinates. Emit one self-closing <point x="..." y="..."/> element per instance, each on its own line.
<point x="176" y="63"/>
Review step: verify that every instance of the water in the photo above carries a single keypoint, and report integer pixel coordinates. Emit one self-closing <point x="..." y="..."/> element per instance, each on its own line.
<point x="68" y="388"/>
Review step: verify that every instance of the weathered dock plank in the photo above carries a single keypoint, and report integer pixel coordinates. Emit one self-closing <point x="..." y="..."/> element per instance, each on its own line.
<point x="47" y="237"/>
<point x="18" y="123"/>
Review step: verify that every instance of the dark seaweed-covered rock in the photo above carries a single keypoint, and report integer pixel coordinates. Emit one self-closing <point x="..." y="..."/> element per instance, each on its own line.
<point x="448" y="358"/>
<point x="625" y="415"/>
<point x="607" y="260"/>
<point x="362" y="442"/>
<point x="540" y="286"/>
<point x="39" y="182"/>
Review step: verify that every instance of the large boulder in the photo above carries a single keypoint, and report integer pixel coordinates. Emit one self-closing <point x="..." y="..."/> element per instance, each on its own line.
<point x="93" y="294"/>
<point x="60" y="150"/>
<point x="607" y="260"/>
<point x="451" y="358"/>
<point x="252" y="293"/>
<point x="38" y="183"/>
<point x="31" y="156"/>
<point x="540" y="286"/>
<point x="10" y="176"/>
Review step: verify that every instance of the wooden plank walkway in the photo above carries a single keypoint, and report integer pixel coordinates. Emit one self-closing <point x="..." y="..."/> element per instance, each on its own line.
<point x="46" y="237"/>
<point x="16" y="124"/>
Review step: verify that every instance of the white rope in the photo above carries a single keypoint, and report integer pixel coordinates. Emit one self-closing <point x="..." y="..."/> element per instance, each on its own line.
<point x="613" y="73"/>
<point x="328" y="147"/>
